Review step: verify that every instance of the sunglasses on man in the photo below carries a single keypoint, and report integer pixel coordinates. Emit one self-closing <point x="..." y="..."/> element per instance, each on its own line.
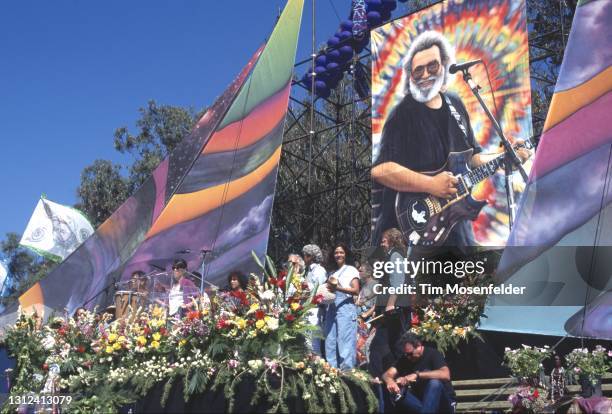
<point x="432" y="67"/>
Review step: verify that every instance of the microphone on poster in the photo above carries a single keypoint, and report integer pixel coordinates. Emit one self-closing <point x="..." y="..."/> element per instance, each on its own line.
<point x="456" y="67"/>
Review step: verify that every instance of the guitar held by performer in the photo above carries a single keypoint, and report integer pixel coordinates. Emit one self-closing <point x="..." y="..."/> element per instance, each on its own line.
<point x="426" y="219"/>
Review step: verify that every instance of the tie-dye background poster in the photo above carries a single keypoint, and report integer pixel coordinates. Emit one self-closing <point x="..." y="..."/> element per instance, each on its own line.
<point x="494" y="31"/>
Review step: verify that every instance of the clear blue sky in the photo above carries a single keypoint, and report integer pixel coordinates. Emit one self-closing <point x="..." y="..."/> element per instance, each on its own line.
<point x="72" y="72"/>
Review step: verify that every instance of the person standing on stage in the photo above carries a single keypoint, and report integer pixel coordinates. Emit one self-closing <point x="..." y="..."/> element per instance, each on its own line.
<point x="183" y="290"/>
<point x="296" y="265"/>
<point x="395" y="308"/>
<point x="366" y="304"/>
<point x="138" y="282"/>
<point x="236" y="282"/>
<point x="315" y="276"/>
<point x="341" y="316"/>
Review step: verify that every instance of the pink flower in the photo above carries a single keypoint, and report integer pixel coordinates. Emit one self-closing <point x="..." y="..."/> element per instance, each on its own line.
<point x="232" y="363"/>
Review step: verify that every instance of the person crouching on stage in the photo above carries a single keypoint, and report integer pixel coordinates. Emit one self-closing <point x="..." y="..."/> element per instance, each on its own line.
<point x="341" y="317"/>
<point x="183" y="290"/>
<point x="419" y="381"/>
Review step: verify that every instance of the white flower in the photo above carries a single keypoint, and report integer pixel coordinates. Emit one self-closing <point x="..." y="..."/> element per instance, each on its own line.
<point x="267" y="295"/>
<point x="507" y="349"/>
<point x="306" y="395"/>
<point x="48" y="342"/>
<point x="272" y="323"/>
<point x="255" y="364"/>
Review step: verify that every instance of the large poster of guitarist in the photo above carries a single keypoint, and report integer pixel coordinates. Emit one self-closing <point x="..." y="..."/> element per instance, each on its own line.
<point x="435" y="158"/>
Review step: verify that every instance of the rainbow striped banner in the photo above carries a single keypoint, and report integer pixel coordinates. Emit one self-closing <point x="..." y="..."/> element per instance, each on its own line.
<point x="562" y="234"/>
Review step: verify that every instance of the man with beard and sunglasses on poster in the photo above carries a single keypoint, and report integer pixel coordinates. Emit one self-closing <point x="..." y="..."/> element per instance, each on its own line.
<point x="420" y="133"/>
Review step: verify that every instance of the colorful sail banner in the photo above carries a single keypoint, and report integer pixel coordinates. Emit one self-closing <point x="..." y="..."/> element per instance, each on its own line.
<point x="224" y="203"/>
<point x="562" y="239"/>
<point x="494" y="32"/>
<point x="55" y="231"/>
<point x="213" y="192"/>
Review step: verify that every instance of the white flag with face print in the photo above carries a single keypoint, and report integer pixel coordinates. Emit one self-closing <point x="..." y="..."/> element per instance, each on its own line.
<point x="55" y="231"/>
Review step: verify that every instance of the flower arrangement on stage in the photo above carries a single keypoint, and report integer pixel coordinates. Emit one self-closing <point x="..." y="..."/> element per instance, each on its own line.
<point x="528" y="399"/>
<point x="448" y="320"/>
<point x="255" y="335"/>
<point x="526" y="363"/>
<point x="592" y="365"/>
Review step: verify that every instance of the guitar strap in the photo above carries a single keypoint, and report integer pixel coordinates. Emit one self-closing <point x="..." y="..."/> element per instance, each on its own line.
<point x="457" y="117"/>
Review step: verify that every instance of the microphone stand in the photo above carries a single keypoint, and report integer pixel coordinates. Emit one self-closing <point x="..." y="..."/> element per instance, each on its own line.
<point x="203" y="253"/>
<point x="203" y="281"/>
<point x="511" y="160"/>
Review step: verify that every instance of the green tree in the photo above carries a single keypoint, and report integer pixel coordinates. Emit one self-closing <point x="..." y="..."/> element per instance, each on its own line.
<point x="160" y="129"/>
<point x="25" y="267"/>
<point x="101" y="191"/>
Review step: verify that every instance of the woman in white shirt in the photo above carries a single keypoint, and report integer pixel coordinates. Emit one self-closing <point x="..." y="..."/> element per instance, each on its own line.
<point x="341" y="317"/>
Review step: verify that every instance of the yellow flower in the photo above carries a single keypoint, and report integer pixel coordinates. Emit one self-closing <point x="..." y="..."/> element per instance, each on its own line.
<point x="142" y="341"/>
<point x="157" y="312"/>
<point x="112" y="337"/>
<point x="121" y="339"/>
<point x="182" y="342"/>
<point x="109" y="349"/>
<point x="156" y="336"/>
<point x="295" y="306"/>
<point x="241" y="323"/>
<point x="260" y="324"/>
<point x="156" y="323"/>
<point x="254" y="307"/>
<point x="116" y="346"/>
<point x="154" y="344"/>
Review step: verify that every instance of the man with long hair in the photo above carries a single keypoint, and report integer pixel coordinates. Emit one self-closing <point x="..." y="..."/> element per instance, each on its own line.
<point x="422" y="130"/>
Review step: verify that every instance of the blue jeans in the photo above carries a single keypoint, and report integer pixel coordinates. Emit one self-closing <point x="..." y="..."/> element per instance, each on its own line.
<point x="435" y="399"/>
<point x="341" y="335"/>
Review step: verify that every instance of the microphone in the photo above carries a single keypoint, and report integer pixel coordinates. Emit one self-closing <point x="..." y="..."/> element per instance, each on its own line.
<point x="456" y="67"/>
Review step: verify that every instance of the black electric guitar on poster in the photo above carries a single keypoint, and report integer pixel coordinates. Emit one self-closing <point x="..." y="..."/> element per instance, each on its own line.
<point x="426" y="220"/>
